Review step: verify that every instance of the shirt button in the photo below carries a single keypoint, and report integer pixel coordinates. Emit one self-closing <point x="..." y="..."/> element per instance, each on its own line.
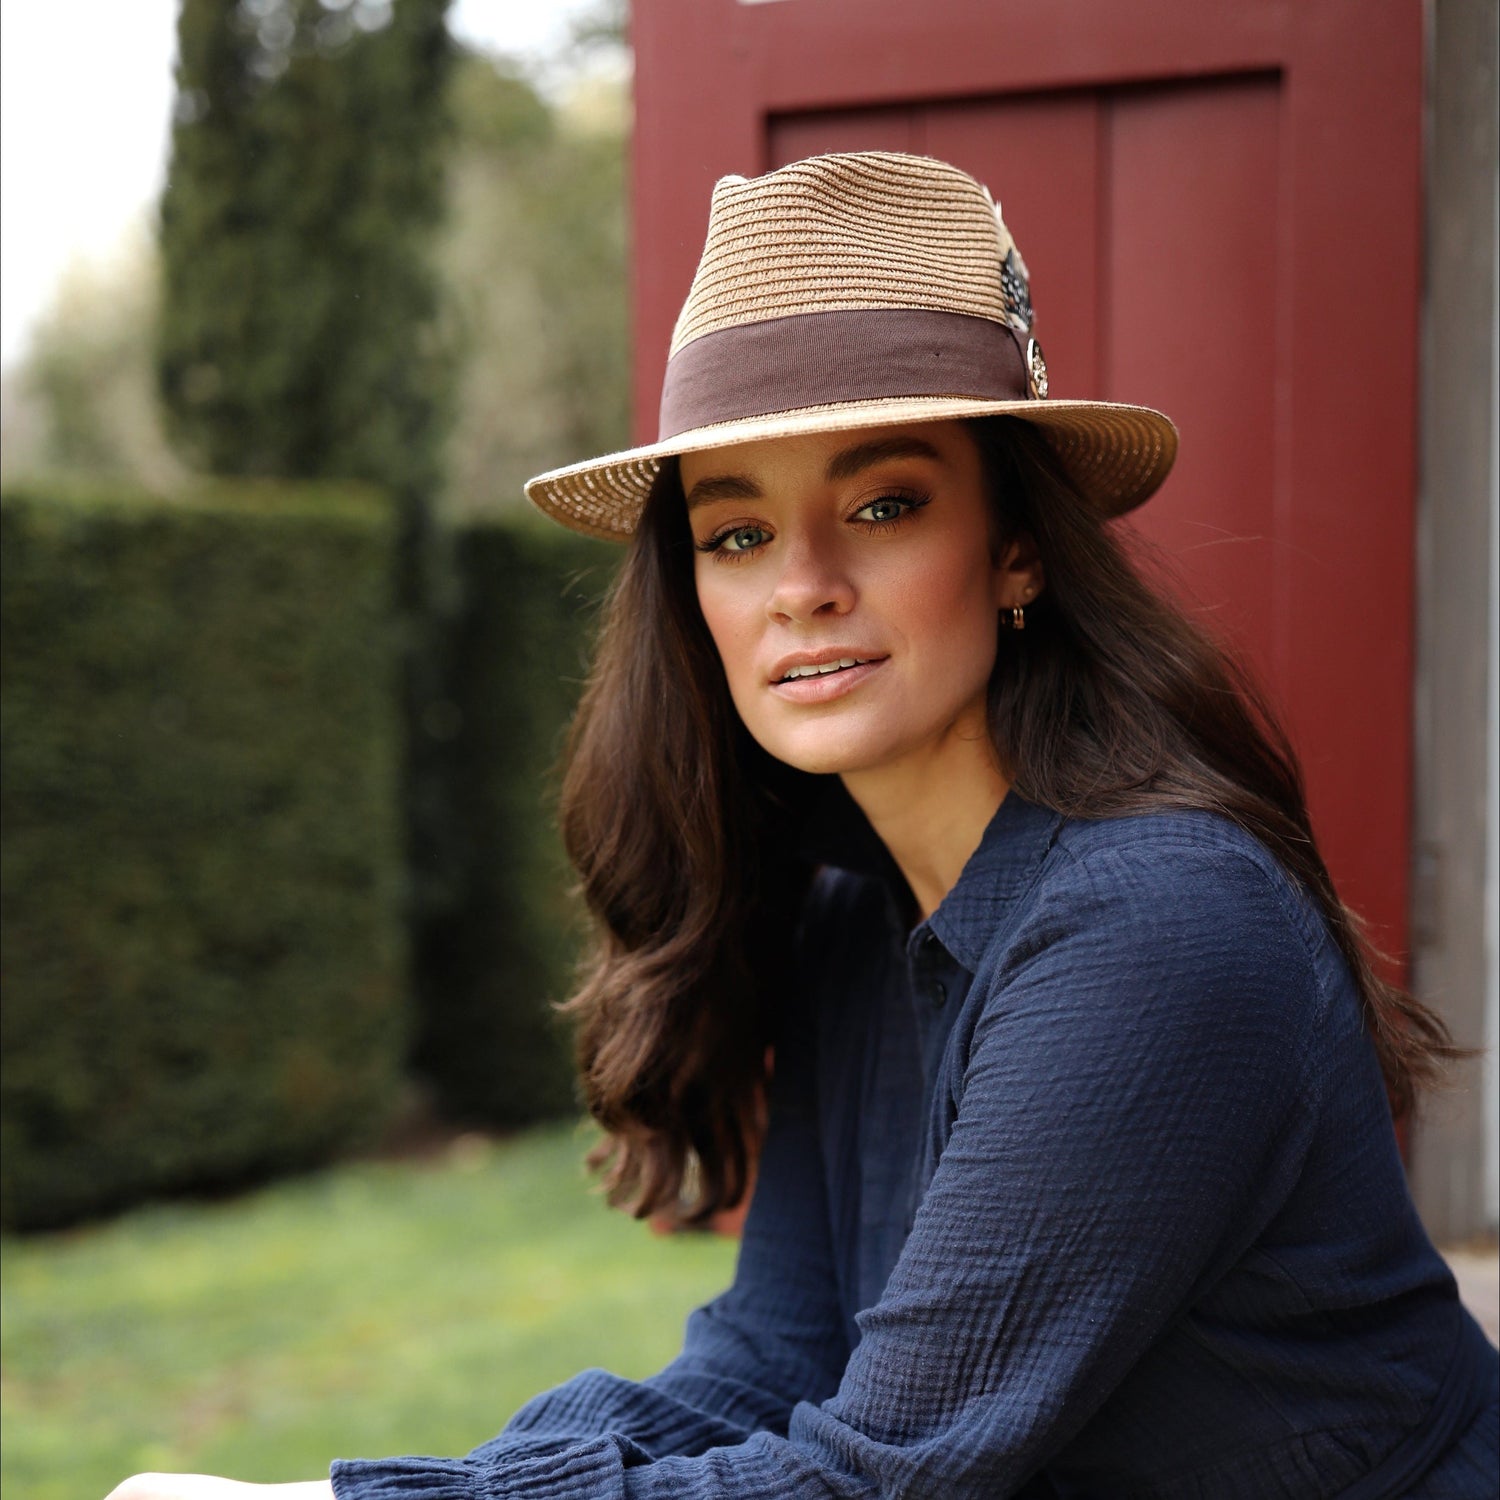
<point x="938" y="994"/>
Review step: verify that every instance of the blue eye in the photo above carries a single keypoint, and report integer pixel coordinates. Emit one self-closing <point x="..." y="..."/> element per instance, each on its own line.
<point x="886" y="510"/>
<point x="743" y="539"/>
<point x="735" y="543"/>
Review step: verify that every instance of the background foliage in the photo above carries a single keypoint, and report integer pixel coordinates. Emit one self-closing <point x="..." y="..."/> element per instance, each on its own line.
<point x="529" y="338"/>
<point x="494" y="954"/>
<point x="85" y="403"/>
<point x="204" y="957"/>
<point x="295" y="336"/>
<point x="380" y="256"/>
<point x="533" y="263"/>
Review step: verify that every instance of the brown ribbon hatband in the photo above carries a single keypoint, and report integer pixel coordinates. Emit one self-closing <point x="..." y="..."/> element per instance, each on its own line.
<point x="857" y="354"/>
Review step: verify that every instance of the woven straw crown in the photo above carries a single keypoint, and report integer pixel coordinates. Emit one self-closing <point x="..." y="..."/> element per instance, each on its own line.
<point x="856" y="231"/>
<point x="856" y="290"/>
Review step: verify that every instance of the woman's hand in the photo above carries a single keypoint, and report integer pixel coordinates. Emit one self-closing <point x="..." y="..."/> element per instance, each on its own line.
<point x="210" y="1487"/>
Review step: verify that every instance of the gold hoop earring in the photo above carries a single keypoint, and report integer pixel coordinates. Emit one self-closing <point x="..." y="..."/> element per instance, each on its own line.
<point x="1014" y="618"/>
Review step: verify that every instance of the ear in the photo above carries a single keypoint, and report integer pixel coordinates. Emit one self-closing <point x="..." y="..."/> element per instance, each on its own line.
<point x="1019" y="575"/>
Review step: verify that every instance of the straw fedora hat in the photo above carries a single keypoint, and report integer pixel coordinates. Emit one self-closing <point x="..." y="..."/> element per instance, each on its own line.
<point x="856" y="290"/>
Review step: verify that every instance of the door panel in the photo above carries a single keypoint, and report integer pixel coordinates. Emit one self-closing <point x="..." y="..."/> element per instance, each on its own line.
<point x="1189" y="297"/>
<point x="791" y="137"/>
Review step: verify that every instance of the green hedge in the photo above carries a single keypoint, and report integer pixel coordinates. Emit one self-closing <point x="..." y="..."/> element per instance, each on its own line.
<point x="204" y="970"/>
<point x="490" y="962"/>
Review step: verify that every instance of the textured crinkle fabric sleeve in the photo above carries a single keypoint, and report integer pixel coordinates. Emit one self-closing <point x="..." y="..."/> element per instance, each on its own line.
<point x="1132" y="1111"/>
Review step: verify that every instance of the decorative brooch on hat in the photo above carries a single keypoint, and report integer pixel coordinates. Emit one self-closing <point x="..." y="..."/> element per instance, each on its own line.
<point x="1015" y="290"/>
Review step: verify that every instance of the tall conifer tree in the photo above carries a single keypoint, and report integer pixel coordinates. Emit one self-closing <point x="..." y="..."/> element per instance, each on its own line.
<point x="295" y="336"/>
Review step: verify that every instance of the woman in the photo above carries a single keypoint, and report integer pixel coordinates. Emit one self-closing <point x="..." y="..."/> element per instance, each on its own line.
<point x="1076" y="1175"/>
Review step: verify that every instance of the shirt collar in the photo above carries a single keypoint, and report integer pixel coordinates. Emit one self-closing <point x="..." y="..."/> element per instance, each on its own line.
<point x="999" y="871"/>
<point x="1010" y="853"/>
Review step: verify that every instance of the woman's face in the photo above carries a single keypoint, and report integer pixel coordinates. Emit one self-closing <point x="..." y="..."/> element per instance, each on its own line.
<point x="851" y="585"/>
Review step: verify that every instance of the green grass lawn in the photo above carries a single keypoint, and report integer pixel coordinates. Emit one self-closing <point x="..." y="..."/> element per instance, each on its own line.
<point x="376" y="1308"/>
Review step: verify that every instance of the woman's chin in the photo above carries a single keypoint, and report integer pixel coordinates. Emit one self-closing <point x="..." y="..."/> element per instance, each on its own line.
<point x="820" y="755"/>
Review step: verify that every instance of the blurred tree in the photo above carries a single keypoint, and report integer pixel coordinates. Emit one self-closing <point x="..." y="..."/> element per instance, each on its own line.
<point x="533" y="259"/>
<point x="602" y="27"/>
<point x="83" y="402"/>
<point x="296" y="337"/>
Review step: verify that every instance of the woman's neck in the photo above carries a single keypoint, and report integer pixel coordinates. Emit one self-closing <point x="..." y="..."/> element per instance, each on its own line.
<point x="930" y="810"/>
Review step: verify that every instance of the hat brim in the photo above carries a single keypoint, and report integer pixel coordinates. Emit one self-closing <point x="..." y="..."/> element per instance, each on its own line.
<point x="1115" y="455"/>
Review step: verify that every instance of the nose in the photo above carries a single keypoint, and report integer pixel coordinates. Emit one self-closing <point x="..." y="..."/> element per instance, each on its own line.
<point x="812" y="582"/>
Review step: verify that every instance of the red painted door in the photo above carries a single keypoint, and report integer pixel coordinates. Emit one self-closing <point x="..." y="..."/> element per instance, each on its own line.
<point x="1220" y="205"/>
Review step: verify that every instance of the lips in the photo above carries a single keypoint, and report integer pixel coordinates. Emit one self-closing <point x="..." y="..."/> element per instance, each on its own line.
<point x="823" y="676"/>
<point x="828" y="662"/>
<point x="841" y="665"/>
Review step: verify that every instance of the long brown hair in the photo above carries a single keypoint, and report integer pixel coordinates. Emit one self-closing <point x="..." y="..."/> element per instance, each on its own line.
<point x="683" y="830"/>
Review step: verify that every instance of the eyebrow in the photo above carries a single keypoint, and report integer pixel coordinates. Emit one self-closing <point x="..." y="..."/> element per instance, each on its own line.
<point x="844" y="464"/>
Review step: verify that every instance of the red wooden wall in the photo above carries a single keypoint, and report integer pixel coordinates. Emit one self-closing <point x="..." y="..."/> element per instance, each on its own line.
<point x="1219" y="201"/>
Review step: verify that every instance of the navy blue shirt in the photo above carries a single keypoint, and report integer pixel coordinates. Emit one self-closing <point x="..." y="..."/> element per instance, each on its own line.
<point x="1086" y="1186"/>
